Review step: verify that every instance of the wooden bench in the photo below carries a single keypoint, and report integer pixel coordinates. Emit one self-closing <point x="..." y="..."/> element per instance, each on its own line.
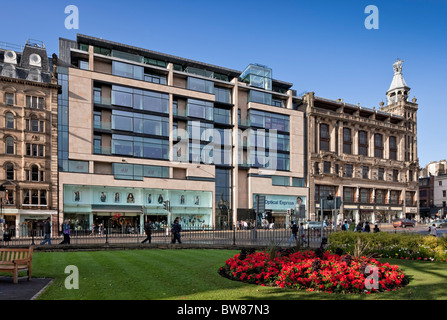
<point x="16" y="259"/>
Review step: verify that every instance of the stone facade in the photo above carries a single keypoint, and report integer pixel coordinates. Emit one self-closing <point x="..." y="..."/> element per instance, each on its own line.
<point x="28" y="135"/>
<point x="367" y="157"/>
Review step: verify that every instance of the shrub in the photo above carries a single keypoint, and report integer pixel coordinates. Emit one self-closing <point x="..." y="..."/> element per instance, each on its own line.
<point x="391" y="245"/>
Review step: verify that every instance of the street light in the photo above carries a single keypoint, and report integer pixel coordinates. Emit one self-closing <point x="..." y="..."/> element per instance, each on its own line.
<point x="2" y="196"/>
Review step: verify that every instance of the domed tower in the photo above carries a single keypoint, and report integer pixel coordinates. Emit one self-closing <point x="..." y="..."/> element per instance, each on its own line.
<point x="398" y="89"/>
<point x="398" y="103"/>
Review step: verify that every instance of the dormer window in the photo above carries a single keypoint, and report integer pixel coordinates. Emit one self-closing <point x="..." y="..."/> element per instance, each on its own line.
<point x="35" y="60"/>
<point x="34" y="75"/>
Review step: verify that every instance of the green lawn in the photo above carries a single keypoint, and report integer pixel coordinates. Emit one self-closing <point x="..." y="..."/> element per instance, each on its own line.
<point x="191" y="274"/>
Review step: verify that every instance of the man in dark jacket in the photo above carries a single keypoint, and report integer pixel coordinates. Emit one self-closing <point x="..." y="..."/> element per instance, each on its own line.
<point x="148" y="230"/>
<point x="47" y="231"/>
<point x="176" y="228"/>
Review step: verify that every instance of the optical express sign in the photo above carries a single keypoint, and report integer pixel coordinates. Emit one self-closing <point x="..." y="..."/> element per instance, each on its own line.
<point x="279" y="202"/>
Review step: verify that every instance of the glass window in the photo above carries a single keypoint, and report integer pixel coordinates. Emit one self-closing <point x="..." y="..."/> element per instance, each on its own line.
<point x="122" y="96"/>
<point x="393" y="148"/>
<point x="78" y="166"/>
<point x="347" y="141"/>
<point x="324" y="137"/>
<point x="122" y="120"/>
<point x="268" y="120"/>
<point x="380" y="196"/>
<point x="43" y="197"/>
<point x="327" y="167"/>
<point x="9" y="145"/>
<point x="9" y="168"/>
<point x="153" y="101"/>
<point x="200" y="85"/>
<point x="34" y="173"/>
<point x="222" y="94"/>
<point x="298" y="182"/>
<point x="363" y="143"/>
<point x="348" y="194"/>
<point x="381" y="173"/>
<point x="154" y="78"/>
<point x="9" y="120"/>
<point x="9" y="99"/>
<point x="378" y="145"/>
<point x="200" y="109"/>
<point x="348" y="171"/>
<point x="396" y="175"/>
<point x="127" y="70"/>
<point x="83" y="64"/>
<point x="260" y="97"/>
<point x="280" y="181"/>
<point x="365" y="172"/>
<point x="200" y="131"/>
<point x="122" y="145"/>
<point x="156" y="171"/>
<point x="364" y="195"/>
<point x="222" y="115"/>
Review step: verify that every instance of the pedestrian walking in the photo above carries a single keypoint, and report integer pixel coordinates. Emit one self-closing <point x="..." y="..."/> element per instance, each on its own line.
<point x="302" y="234"/>
<point x="176" y="229"/>
<point x="148" y="231"/>
<point x="432" y="230"/>
<point x="66" y="232"/>
<point x="294" y="228"/>
<point x="47" y="231"/>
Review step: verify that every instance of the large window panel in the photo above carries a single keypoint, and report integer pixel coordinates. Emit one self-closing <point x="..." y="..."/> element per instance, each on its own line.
<point x="200" y="85"/>
<point x="127" y="70"/>
<point x="260" y="97"/>
<point x="122" y="145"/>
<point x="122" y="97"/>
<point x="200" y="109"/>
<point x="122" y="120"/>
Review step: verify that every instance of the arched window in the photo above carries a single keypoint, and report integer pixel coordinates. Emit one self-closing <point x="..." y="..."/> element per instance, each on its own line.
<point x="9" y="120"/>
<point x="9" y="145"/>
<point x="9" y="170"/>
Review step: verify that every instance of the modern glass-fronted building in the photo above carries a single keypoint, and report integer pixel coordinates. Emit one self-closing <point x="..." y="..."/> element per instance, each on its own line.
<point x="138" y="127"/>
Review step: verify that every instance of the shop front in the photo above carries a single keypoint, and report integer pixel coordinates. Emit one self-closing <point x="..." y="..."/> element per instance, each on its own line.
<point x="124" y="209"/>
<point x="276" y="208"/>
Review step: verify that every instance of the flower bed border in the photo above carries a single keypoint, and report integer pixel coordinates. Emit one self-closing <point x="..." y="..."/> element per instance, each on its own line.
<point x="314" y="271"/>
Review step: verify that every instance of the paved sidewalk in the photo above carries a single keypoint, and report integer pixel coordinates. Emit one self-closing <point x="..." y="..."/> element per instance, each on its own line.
<point x="24" y="290"/>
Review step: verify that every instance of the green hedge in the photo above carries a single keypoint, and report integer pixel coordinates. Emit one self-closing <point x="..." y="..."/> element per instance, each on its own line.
<point x="391" y="245"/>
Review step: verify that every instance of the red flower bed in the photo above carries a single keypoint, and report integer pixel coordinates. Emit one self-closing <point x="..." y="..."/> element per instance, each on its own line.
<point x="304" y="270"/>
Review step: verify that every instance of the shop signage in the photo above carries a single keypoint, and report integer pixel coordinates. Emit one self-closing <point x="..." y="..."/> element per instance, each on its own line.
<point x="382" y="208"/>
<point x="412" y="210"/>
<point x="367" y="207"/>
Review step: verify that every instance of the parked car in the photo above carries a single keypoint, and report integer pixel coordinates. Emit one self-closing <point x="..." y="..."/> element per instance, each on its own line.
<point x="438" y="223"/>
<point x="403" y="223"/>
<point x="312" y="225"/>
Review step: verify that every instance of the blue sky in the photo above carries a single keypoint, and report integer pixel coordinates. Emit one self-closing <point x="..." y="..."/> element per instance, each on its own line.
<point x="320" y="46"/>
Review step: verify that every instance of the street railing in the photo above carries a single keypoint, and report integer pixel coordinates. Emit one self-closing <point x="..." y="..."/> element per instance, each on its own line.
<point x="279" y="236"/>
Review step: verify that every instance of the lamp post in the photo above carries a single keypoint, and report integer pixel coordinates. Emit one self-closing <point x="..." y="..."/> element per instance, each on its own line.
<point x="2" y="196"/>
